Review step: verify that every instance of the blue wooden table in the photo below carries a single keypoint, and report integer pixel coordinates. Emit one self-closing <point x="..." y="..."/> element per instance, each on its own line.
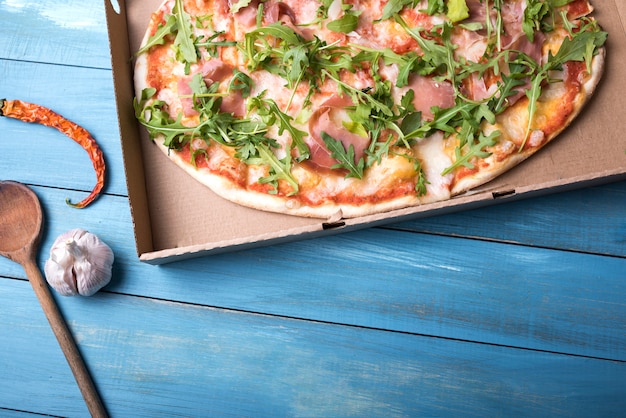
<point x="515" y="309"/>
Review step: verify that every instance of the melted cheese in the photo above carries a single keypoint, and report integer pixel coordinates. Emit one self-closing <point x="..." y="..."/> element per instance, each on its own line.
<point x="434" y="159"/>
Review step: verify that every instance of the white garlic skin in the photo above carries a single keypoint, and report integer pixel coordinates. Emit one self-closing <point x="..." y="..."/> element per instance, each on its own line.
<point x="79" y="263"/>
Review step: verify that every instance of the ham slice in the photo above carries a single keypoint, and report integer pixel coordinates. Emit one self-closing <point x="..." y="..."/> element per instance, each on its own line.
<point x="478" y="12"/>
<point x="246" y="16"/>
<point x="185" y="90"/>
<point x="278" y="11"/>
<point x="429" y="93"/>
<point x="328" y="118"/>
<point x="213" y="71"/>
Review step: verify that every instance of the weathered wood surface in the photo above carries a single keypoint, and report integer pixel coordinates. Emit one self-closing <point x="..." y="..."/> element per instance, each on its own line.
<point x="153" y="357"/>
<point x="515" y="309"/>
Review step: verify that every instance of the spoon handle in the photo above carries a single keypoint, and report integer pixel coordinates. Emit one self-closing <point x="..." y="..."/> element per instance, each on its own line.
<point x="65" y="339"/>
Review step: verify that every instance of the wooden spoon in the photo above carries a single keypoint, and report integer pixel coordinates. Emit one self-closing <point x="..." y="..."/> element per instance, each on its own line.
<point x="21" y="221"/>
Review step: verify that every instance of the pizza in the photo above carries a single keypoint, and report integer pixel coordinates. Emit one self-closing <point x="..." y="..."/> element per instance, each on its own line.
<point x="344" y="108"/>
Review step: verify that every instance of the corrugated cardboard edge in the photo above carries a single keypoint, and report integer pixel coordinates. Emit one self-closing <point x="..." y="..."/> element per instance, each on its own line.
<point x="131" y="150"/>
<point x="471" y="200"/>
<point x="140" y="206"/>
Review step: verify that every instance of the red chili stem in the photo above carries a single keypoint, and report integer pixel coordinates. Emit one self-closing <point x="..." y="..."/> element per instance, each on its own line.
<point x="33" y="113"/>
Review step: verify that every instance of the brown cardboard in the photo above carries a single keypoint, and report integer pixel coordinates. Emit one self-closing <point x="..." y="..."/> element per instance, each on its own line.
<point x="175" y="217"/>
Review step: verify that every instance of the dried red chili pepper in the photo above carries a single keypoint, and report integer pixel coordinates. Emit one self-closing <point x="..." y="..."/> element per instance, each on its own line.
<point x="29" y="112"/>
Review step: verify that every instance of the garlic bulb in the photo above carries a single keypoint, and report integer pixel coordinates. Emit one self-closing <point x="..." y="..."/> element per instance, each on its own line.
<point x="79" y="263"/>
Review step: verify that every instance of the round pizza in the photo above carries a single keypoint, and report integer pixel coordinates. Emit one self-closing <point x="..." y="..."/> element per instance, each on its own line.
<point x="344" y="108"/>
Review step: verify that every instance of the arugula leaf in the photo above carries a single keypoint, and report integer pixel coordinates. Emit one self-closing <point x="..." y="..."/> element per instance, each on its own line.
<point x="298" y="58"/>
<point x="185" y="44"/>
<point x="285" y="54"/>
<point x="440" y="56"/>
<point x="580" y="47"/>
<point x="346" y="23"/>
<point x="345" y="157"/>
<point x="184" y="41"/>
<point x="244" y="135"/>
<point x="535" y="12"/>
<point x="322" y="11"/>
<point x="158" y="121"/>
<point x="279" y="31"/>
<point x="445" y="120"/>
<point x="270" y="112"/>
<point x="242" y="82"/>
<point x="280" y="50"/>
<point x="474" y="150"/>
<point x="211" y="43"/>
<point x="279" y="169"/>
<point x="159" y="36"/>
<point x="394" y="6"/>
<point x="238" y="5"/>
<point x="507" y="87"/>
<point x="362" y="96"/>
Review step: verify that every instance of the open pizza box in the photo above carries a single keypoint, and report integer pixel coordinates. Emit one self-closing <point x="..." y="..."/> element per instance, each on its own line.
<point x="175" y="217"/>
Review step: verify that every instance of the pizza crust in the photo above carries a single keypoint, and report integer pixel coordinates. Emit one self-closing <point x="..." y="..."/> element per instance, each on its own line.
<point x="496" y="169"/>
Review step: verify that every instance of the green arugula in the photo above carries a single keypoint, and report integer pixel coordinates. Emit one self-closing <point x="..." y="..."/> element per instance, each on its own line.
<point x="248" y="137"/>
<point x="394" y="6"/>
<point x="238" y="5"/>
<point x="278" y="49"/>
<point x="436" y="7"/>
<point x="279" y="169"/>
<point x="409" y="63"/>
<point x="211" y="43"/>
<point x="184" y="41"/>
<point x="345" y="156"/>
<point x="539" y="16"/>
<point x="159" y="36"/>
<point x="534" y="15"/>
<point x="439" y="56"/>
<point x="346" y="23"/>
<point x="241" y="82"/>
<point x="581" y="47"/>
<point x="158" y="121"/>
<point x="475" y="149"/>
<point x="180" y="25"/>
<point x="271" y="114"/>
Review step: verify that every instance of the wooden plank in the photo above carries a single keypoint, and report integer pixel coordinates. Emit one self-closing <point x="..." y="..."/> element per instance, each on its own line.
<point x="8" y="413"/>
<point x="55" y="31"/>
<point x="42" y="155"/>
<point x="154" y="358"/>
<point x="448" y="287"/>
<point x="588" y="220"/>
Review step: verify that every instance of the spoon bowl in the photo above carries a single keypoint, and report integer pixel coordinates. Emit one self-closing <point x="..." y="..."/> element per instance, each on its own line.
<point x="21" y="221"/>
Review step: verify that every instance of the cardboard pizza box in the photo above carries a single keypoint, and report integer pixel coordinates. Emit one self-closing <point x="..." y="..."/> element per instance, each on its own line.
<point x="175" y="217"/>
